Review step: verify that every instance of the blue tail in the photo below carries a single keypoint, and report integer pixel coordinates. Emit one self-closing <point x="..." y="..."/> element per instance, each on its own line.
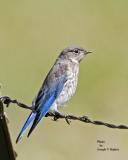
<point x="26" y="125"/>
<point x="36" y="121"/>
<point x="43" y="111"/>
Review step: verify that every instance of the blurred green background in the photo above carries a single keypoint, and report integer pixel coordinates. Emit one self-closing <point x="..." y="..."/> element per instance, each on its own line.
<point x="32" y="34"/>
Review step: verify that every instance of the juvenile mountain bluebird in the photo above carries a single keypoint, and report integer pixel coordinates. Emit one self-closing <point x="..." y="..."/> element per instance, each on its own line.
<point x="58" y="87"/>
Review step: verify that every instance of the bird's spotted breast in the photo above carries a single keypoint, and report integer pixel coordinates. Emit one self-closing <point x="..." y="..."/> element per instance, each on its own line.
<point x="70" y="85"/>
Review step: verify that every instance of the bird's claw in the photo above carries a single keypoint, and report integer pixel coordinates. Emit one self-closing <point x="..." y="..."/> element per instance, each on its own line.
<point x="57" y="115"/>
<point x="67" y="120"/>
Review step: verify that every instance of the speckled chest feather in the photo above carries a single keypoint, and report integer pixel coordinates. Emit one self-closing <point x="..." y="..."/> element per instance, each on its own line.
<point x="70" y="85"/>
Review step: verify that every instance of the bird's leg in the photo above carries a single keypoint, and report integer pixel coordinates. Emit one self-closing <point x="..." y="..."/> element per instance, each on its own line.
<point x="58" y="115"/>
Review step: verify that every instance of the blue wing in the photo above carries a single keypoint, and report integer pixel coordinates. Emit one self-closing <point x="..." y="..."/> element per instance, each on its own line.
<point x="48" y="93"/>
<point x="51" y="96"/>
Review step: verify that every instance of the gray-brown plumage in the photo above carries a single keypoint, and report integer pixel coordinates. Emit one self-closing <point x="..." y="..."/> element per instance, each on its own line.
<point x="58" y="87"/>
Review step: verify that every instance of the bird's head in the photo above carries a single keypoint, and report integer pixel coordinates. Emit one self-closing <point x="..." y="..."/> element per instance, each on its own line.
<point x="74" y="53"/>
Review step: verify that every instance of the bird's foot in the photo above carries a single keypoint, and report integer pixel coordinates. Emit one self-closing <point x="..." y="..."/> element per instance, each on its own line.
<point x="55" y="115"/>
<point x="58" y="115"/>
<point x="49" y="114"/>
<point x="67" y="120"/>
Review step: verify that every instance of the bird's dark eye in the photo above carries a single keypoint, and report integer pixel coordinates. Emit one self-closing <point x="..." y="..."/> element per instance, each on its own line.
<point x="76" y="51"/>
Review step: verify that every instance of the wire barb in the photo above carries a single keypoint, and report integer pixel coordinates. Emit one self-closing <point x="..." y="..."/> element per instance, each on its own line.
<point x="7" y="100"/>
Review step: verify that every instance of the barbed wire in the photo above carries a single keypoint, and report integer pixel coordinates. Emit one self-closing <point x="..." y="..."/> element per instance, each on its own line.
<point x="68" y="117"/>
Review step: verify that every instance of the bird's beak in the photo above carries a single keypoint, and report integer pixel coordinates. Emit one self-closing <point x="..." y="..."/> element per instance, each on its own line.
<point x="88" y="52"/>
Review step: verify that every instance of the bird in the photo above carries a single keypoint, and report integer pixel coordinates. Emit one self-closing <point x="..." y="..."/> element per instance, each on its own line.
<point x="58" y="87"/>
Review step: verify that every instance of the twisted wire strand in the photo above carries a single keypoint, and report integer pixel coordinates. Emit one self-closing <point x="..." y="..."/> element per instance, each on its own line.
<point x="68" y="117"/>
